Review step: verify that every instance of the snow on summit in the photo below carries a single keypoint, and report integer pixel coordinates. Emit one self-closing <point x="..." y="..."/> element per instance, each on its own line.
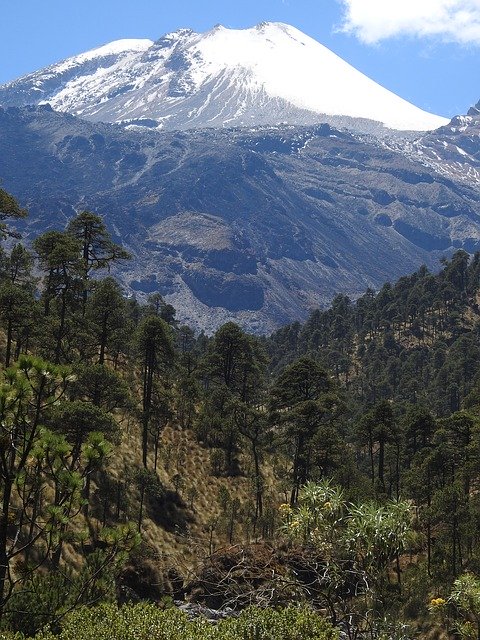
<point x="114" y="48"/>
<point x="292" y="66"/>
<point x="269" y="74"/>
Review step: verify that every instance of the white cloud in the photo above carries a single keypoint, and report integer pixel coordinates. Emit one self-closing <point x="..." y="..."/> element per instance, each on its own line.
<point x="449" y="20"/>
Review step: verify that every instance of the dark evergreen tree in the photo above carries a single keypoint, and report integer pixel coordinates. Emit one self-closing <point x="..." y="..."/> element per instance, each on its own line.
<point x="97" y="250"/>
<point x="155" y="343"/>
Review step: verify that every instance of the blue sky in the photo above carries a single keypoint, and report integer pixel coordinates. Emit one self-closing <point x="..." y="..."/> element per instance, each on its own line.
<point x="427" y="51"/>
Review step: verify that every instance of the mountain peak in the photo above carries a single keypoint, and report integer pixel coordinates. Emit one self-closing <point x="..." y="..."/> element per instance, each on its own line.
<point x="262" y="26"/>
<point x="115" y="48"/>
<point x="475" y="110"/>
<point x="268" y="74"/>
<point x="184" y="32"/>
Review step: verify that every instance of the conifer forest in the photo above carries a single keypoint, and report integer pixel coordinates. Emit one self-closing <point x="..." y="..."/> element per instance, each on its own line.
<point x="321" y="482"/>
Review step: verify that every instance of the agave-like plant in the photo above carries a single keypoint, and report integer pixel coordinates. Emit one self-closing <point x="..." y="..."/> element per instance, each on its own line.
<point x="356" y="544"/>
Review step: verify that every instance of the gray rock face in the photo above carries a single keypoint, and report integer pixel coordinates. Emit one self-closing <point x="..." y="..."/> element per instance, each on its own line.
<point x="256" y="225"/>
<point x="474" y="111"/>
<point x="452" y="150"/>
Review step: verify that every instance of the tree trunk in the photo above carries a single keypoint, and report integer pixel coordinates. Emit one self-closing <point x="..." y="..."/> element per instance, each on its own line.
<point x="147" y="400"/>
<point x="381" y="463"/>
<point x="61" y="329"/>
<point x="140" y="514"/>
<point x="7" y="495"/>
<point x="372" y="462"/>
<point x="8" y="353"/>
<point x="296" y="462"/>
<point x="157" y="442"/>
<point x="258" y="484"/>
<point x="103" y="339"/>
<point x="86" y="490"/>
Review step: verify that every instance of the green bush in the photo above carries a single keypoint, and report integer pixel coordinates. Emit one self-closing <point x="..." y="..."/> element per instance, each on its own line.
<point x="44" y="598"/>
<point x="147" y="622"/>
<point x="268" y="624"/>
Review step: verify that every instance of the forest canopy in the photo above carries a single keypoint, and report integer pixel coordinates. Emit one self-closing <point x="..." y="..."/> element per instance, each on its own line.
<point x="334" y="464"/>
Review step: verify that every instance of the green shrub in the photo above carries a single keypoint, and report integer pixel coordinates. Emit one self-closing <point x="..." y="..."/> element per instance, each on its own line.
<point x="268" y="624"/>
<point x="44" y="598"/>
<point x="147" y="622"/>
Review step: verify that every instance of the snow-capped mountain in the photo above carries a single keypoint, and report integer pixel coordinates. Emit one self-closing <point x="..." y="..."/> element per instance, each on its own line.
<point x="269" y="74"/>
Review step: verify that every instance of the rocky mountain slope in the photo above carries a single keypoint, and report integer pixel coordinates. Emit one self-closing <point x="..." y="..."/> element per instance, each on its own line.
<point x="265" y="75"/>
<point x="452" y="150"/>
<point x="257" y="225"/>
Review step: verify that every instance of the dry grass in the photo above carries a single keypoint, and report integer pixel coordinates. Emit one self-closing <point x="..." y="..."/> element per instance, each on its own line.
<point x="197" y="505"/>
